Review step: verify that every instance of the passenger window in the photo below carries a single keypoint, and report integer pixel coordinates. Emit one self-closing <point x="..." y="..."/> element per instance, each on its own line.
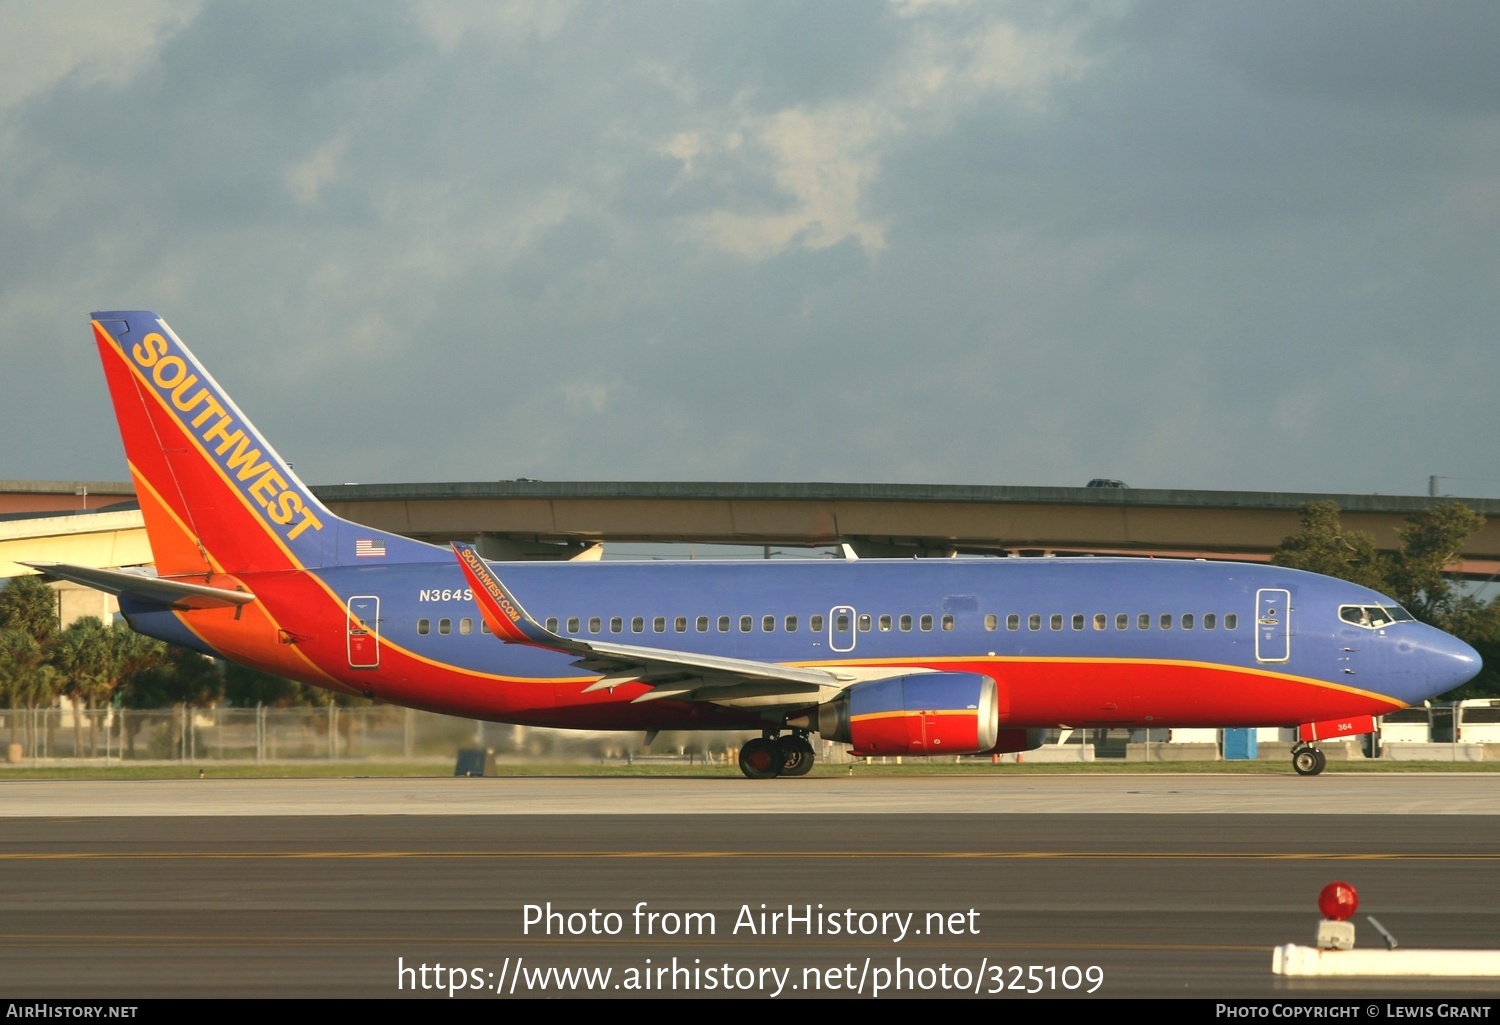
<point x="815" y="624"/>
<point x="768" y="624"/>
<point x="747" y="623"/>
<point x="1187" y="620"/>
<point x="1012" y="622"/>
<point x="637" y="624"/>
<point x="885" y="624"/>
<point x="864" y="622"/>
<point x="616" y="624"/>
<point x="925" y="623"/>
<point x="701" y="624"/>
<point x="1078" y="621"/>
<point x="992" y="622"/>
<point x="484" y="627"/>
<point x="1122" y="621"/>
<point x="572" y="624"/>
<point x="1143" y="621"/>
<point x="423" y="626"/>
<point x="659" y="625"/>
<point x="904" y="623"/>
<point x="445" y="626"/>
<point x="841" y="622"/>
<point x="1034" y="621"/>
<point x="1056" y="622"/>
<point x="551" y="625"/>
<point x="1100" y="621"/>
<point x="1210" y="621"/>
<point x="466" y="626"/>
<point x="680" y="624"/>
<point x="947" y="622"/>
<point x="723" y="624"/>
<point x="1166" y="620"/>
<point x="1231" y="621"/>
<point x="791" y="624"/>
<point x="593" y="624"/>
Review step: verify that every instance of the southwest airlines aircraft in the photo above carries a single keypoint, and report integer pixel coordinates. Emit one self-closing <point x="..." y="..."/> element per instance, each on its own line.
<point x="897" y="657"/>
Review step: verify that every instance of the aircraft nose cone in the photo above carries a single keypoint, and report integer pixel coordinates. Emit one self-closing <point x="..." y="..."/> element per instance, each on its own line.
<point x="1451" y="663"/>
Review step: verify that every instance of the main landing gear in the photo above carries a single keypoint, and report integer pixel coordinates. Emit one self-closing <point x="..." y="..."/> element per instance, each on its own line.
<point x="1308" y="760"/>
<point x="769" y="756"/>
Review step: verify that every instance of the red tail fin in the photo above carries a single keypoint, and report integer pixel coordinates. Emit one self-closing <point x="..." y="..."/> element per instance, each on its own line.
<point x="215" y="496"/>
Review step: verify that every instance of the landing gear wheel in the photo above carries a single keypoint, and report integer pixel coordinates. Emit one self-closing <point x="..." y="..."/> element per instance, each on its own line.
<point x="796" y="756"/>
<point x="1309" y="761"/>
<point x="760" y="759"/>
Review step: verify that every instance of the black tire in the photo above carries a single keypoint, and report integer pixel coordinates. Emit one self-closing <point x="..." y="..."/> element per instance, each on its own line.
<point x="1309" y="761"/>
<point x="760" y="759"/>
<point x="797" y="756"/>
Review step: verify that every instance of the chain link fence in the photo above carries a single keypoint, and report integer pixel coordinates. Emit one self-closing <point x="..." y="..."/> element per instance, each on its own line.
<point x="328" y="733"/>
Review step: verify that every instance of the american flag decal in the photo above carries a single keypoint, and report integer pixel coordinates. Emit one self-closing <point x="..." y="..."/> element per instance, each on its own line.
<point x="365" y="548"/>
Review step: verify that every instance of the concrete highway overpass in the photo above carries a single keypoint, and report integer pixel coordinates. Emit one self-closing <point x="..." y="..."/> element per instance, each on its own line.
<point x="532" y="518"/>
<point x="546" y="519"/>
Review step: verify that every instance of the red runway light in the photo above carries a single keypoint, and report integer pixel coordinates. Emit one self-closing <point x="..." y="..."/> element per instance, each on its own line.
<point x="1338" y="901"/>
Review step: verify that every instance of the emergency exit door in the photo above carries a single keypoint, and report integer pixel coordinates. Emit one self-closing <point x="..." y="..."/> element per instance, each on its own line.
<point x="364" y="632"/>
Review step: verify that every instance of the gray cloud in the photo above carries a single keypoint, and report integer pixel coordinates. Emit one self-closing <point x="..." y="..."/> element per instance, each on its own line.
<point x="1186" y="245"/>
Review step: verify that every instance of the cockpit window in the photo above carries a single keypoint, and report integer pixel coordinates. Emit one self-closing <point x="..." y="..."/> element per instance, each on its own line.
<point x="1373" y="617"/>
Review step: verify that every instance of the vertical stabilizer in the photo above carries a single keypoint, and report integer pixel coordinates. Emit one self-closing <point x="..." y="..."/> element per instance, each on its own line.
<point x="215" y="496"/>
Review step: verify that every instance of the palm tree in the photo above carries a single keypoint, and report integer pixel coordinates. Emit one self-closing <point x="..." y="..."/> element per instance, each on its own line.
<point x="25" y="677"/>
<point x="83" y="657"/>
<point x="30" y="605"/>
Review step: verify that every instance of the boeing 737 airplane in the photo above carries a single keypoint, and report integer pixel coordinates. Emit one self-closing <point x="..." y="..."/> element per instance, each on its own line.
<point x="915" y="656"/>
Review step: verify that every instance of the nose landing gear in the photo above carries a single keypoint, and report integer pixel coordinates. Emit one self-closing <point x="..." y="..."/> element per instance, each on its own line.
<point x="769" y="756"/>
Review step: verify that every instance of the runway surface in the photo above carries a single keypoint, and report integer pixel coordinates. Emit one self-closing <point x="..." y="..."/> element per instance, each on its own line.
<point x="354" y="886"/>
<point x="1371" y="794"/>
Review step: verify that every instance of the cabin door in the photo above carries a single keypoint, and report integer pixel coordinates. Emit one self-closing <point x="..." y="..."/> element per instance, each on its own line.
<point x="1273" y="625"/>
<point x="841" y="628"/>
<point x="364" y="632"/>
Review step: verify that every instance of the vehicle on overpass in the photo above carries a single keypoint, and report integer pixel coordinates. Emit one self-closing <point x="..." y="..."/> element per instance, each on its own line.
<point x="894" y="657"/>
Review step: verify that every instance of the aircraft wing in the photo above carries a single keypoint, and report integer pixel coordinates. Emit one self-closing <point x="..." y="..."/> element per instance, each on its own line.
<point x="177" y="594"/>
<point x="687" y="675"/>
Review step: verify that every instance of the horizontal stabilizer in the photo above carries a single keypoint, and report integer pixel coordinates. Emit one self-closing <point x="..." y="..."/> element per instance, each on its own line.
<point x="175" y="594"/>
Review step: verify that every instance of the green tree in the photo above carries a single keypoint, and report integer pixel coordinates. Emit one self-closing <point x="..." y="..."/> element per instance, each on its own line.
<point x="26" y="680"/>
<point x="1432" y="541"/>
<point x="181" y="677"/>
<point x="26" y="603"/>
<point x="81" y="654"/>
<point x="1324" y="546"/>
<point x="245" y="688"/>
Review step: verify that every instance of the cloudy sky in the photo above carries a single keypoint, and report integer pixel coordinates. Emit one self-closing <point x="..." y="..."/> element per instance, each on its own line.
<point x="1191" y="245"/>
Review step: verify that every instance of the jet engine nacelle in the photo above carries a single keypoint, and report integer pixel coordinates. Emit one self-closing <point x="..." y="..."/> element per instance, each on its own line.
<point x="919" y="714"/>
<point x="1016" y="738"/>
